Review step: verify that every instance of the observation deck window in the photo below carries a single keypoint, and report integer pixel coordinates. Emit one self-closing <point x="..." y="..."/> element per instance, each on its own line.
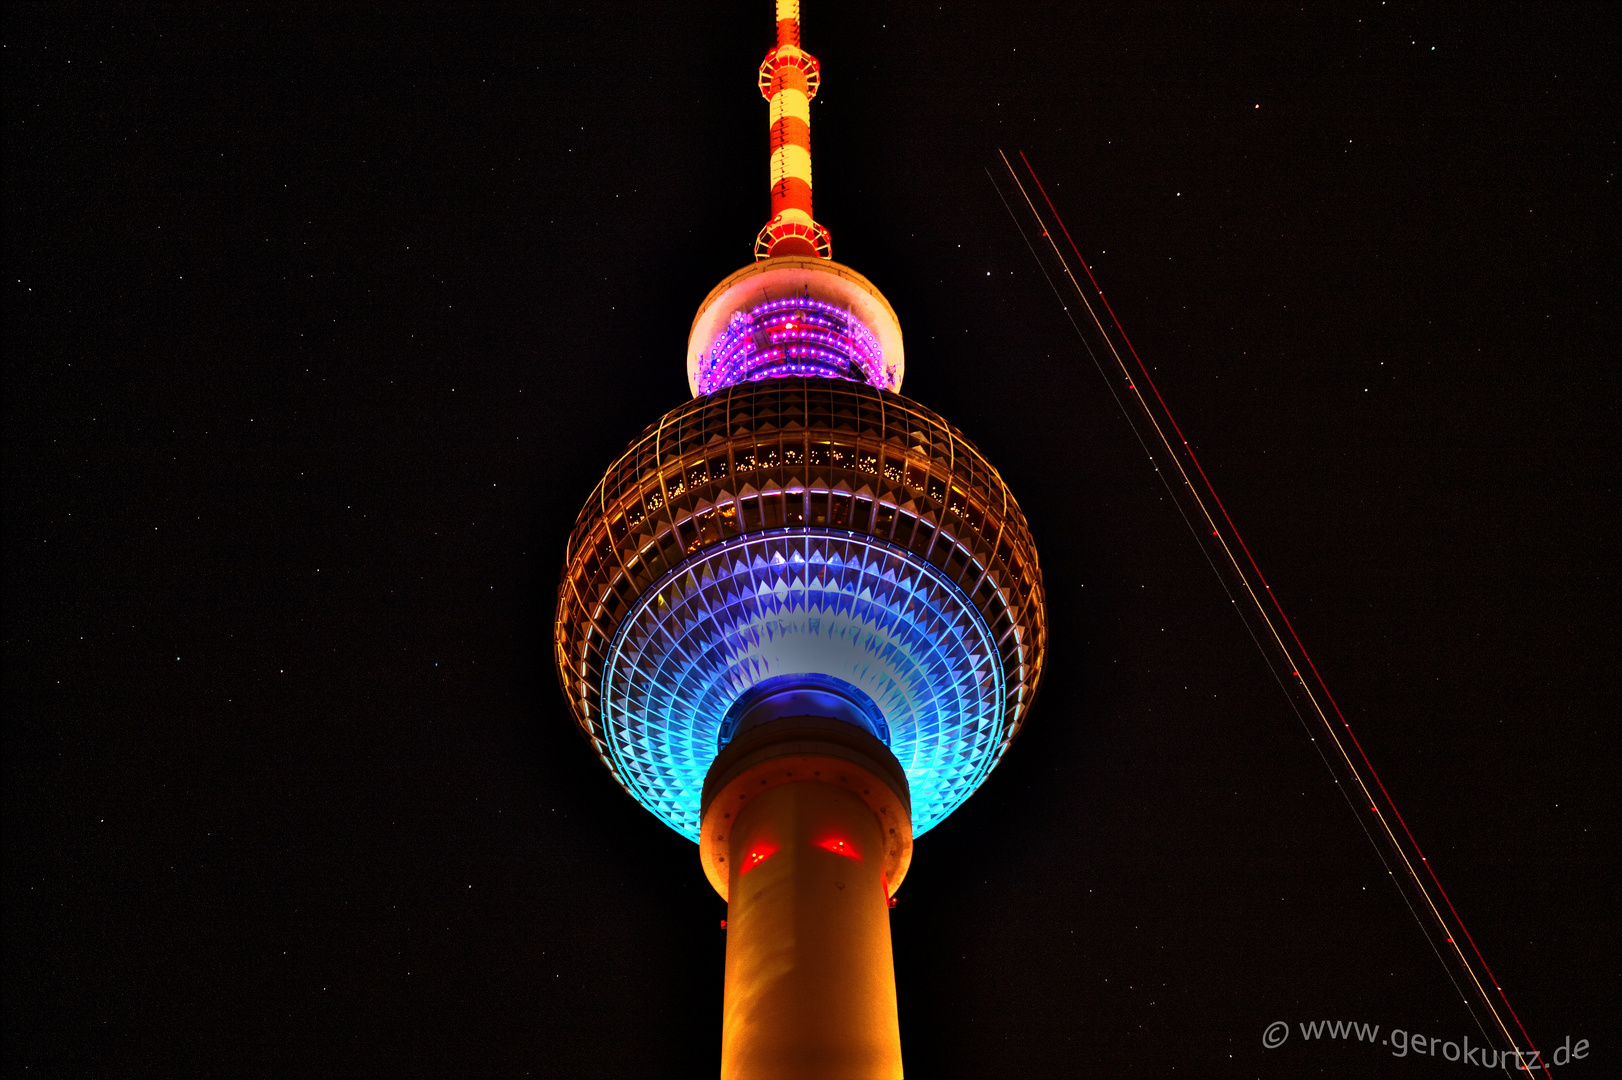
<point x="962" y="507"/>
<point x="771" y="508"/>
<point x="670" y="551"/>
<point x="922" y="539"/>
<point x="905" y="523"/>
<point x="819" y="508"/>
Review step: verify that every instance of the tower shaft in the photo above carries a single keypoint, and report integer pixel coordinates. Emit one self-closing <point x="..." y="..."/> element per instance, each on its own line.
<point x="810" y="983"/>
<point x="807" y="832"/>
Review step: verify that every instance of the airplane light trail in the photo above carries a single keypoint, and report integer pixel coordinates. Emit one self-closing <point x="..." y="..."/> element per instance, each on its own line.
<point x="1241" y="578"/>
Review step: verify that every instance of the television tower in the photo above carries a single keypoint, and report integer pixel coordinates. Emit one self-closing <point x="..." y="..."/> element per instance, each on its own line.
<point x="800" y="620"/>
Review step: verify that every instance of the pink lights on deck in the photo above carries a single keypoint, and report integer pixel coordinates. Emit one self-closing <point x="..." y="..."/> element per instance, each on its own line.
<point x="794" y="336"/>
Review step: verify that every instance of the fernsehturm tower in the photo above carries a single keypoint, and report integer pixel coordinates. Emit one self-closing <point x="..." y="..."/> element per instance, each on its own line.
<point x="800" y="620"/>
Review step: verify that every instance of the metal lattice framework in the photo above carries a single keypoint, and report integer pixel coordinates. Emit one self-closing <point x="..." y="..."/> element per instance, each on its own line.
<point x="789" y="56"/>
<point x="774" y="232"/>
<point x="800" y="523"/>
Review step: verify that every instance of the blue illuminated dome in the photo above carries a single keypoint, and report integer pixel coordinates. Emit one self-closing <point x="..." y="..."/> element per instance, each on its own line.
<point x="793" y="525"/>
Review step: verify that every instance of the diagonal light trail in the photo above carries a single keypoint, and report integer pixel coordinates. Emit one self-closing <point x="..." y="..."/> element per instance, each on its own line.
<point x="1286" y="656"/>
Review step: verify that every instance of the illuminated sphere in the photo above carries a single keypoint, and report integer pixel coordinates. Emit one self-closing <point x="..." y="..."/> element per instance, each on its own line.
<point x="793" y="524"/>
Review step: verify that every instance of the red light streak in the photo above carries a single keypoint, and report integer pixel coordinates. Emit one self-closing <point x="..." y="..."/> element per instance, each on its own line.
<point x="1261" y="609"/>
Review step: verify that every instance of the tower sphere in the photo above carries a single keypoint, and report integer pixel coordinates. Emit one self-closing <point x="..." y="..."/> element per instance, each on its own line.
<point x="793" y="524"/>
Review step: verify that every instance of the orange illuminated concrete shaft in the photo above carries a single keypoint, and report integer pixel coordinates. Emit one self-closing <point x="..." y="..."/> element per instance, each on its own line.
<point x="807" y="833"/>
<point x="810" y="983"/>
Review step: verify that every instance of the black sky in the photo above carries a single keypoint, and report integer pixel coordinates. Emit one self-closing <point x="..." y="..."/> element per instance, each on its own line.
<point x="320" y="327"/>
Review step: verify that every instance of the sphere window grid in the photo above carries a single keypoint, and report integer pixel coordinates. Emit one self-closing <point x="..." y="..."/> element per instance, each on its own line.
<point x="1003" y="622"/>
<point x="880" y="428"/>
<point x="816" y="578"/>
<point x="967" y="560"/>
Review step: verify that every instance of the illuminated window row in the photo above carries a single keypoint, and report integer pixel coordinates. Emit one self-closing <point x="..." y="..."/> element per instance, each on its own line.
<point x="948" y="545"/>
<point x="809" y="403"/>
<point x="965" y="555"/>
<point x="604" y="582"/>
<point x="975" y="503"/>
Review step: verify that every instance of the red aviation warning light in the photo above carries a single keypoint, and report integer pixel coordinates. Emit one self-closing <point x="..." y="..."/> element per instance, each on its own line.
<point x="757" y="855"/>
<point x="840" y="846"/>
<point x="789" y="77"/>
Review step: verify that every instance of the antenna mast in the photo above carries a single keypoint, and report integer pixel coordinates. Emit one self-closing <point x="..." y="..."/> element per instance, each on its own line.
<point x="789" y="78"/>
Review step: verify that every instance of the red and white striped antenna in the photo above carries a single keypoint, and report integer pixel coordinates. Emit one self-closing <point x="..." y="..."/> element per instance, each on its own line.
<point x="789" y="78"/>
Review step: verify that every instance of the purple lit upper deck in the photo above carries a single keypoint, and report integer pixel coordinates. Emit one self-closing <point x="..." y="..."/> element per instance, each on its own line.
<point x="795" y="315"/>
<point x="794" y="336"/>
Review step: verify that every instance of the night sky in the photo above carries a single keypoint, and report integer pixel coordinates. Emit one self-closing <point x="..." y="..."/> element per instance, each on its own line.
<point x="319" y="328"/>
